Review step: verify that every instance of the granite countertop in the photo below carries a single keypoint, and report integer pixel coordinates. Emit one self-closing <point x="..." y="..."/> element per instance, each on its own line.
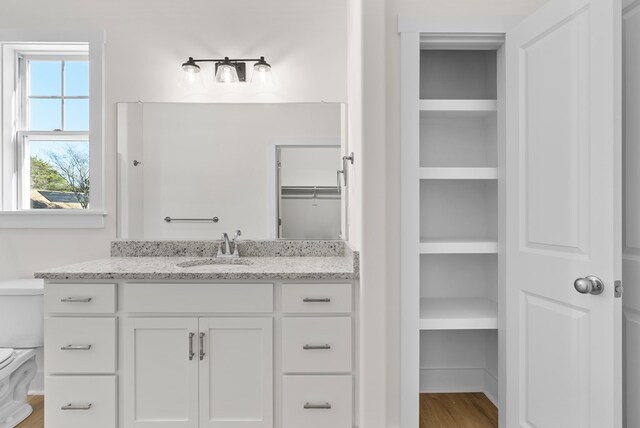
<point x="191" y="260"/>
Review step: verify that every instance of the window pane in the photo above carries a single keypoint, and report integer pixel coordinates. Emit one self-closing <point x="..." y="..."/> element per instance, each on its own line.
<point x="76" y="115"/>
<point x="45" y="115"/>
<point x="76" y="78"/>
<point x="45" y="78"/>
<point x="59" y="174"/>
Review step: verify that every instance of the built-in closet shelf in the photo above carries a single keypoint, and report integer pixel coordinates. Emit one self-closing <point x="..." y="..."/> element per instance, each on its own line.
<point x="458" y="314"/>
<point x="459" y="106"/>
<point x="458" y="173"/>
<point x="458" y="246"/>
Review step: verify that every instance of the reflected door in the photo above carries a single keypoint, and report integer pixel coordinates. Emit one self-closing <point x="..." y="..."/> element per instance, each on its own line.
<point x="309" y="192"/>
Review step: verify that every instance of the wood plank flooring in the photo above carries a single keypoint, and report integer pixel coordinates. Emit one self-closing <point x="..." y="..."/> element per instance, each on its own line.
<point x="469" y="410"/>
<point x="36" y="419"/>
<point x="473" y="410"/>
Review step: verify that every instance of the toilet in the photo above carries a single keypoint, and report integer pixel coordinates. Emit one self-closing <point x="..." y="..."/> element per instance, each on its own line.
<point x="21" y="331"/>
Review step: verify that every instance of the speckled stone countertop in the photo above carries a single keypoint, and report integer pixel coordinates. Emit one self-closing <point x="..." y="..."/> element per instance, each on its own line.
<point x="192" y="260"/>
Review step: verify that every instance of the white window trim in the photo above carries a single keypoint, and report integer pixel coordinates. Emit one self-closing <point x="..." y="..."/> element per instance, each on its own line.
<point x="11" y="216"/>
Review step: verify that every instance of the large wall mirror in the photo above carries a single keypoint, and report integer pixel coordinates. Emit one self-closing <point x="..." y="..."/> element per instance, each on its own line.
<point x="193" y="171"/>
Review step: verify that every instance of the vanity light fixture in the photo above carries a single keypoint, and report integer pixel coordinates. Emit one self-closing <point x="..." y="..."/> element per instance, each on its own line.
<point x="231" y="70"/>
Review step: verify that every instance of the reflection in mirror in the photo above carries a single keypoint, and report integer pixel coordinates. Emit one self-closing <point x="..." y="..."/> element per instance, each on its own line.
<point x="309" y="193"/>
<point x="207" y="162"/>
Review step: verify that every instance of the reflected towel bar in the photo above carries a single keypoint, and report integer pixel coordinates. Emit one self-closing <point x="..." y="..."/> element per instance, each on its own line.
<point x="213" y="220"/>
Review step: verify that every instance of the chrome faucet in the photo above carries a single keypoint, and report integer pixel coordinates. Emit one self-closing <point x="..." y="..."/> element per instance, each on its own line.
<point x="228" y="245"/>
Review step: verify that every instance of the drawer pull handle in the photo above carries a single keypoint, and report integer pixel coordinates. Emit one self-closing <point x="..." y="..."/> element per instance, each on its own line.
<point x="308" y="347"/>
<point x="191" y="353"/>
<point x="76" y="348"/>
<point x="71" y="406"/>
<point x="76" y="299"/>
<point x="318" y="406"/>
<point x="201" y="346"/>
<point x="316" y="300"/>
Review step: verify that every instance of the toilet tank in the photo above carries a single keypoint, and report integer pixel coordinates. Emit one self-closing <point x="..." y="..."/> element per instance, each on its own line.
<point x="21" y="313"/>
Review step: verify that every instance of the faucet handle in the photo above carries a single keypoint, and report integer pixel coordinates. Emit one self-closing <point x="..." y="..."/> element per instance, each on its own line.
<point x="235" y="243"/>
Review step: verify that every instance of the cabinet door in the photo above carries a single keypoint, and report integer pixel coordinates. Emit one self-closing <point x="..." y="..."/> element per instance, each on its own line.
<point x="563" y="359"/>
<point x="160" y="374"/>
<point x="236" y="372"/>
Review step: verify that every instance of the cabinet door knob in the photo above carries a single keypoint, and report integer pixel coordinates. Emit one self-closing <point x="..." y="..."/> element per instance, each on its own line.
<point x="76" y="348"/>
<point x="191" y="353"/>
<point x="316" y="300"/>
<point x="72" y="406"/>
<point x="202" y="346"/>
<point x="323" y="346"/>
<point x="317" y="406"/>
<point x="589" y="285"/>
<point x="72" y="299"/>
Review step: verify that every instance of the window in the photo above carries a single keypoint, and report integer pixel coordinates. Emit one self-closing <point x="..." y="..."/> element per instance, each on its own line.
<point x="53" y="153"/>
<point x="51" y="170"/>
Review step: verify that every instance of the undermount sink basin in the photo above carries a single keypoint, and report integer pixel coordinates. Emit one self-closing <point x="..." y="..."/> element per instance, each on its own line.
<point x="214" y="262"/>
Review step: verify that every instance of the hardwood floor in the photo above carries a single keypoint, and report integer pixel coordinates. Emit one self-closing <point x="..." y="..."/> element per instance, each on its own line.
<point x="471" y="410"/>
<point x="36" y="419"/>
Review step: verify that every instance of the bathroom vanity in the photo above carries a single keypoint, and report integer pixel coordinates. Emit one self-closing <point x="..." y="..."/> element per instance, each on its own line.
<point x="164" y="335"/>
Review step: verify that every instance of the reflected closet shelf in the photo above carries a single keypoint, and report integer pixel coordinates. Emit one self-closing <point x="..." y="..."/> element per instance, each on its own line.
<point x="458" y="314"/>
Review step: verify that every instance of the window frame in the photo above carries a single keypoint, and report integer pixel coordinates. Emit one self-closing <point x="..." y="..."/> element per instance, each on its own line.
<point x="31" y="43"/>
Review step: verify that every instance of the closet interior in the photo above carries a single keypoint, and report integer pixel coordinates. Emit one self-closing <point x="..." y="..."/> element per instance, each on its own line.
<point x="458" y="206"/>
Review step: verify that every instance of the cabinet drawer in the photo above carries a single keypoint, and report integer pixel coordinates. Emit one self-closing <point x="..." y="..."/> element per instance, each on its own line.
<point x="80" y="298"/>
<point x="316" y="298"/>
<point x="80" y="402"/>
<point x="317" y="401"/>
<point x="80" y="345"/>
<point x="316" y="345"/>
<point x="198" y="298"/>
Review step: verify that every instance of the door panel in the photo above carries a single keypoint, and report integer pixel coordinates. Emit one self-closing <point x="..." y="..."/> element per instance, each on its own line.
<point x="161" y="381"/>
<point x="236" y="371"/>
<point x="553" y="221"/>
<point x="563" y="201"/>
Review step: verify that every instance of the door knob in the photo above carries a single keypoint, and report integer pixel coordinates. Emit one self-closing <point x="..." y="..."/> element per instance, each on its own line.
<point x="589" y="285"/>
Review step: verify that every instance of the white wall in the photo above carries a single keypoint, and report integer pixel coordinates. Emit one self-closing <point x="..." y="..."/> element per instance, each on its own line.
<point x="147" y="40"/>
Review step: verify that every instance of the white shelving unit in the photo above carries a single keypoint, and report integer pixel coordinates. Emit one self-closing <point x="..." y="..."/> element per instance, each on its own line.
<point x="458" y="173"/>
<point x="456" y="181"/>
<point x="459" y="106"/>
<point x="458" y="246"/>
<point x="458" y="314"/>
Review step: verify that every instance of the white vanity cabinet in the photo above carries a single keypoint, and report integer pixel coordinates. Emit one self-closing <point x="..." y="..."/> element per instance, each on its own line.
<point x="201" y="354"/>
<point x="80" y="355"/>
<point x="199" y="372"/>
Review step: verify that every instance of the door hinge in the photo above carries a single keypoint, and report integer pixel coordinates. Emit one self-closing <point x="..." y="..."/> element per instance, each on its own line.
<point x="618" y="289"/>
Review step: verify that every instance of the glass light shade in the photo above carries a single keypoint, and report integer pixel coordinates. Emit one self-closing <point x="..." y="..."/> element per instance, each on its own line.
<point x="190" y="66"/>
<point x="226" y="73"/>
<point x="262" y="74"/>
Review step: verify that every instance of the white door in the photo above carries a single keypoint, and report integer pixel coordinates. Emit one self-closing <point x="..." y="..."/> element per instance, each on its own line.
<point x="161" y="366"/>
<point x="236" y="372"/>
<point x="563" y="357"/>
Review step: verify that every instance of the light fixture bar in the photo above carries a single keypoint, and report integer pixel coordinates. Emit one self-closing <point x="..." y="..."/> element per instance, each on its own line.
<point x="228" y="70"/>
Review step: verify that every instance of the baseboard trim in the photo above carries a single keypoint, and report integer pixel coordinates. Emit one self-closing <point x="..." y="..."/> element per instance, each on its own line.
<point x="460" y="380"/>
